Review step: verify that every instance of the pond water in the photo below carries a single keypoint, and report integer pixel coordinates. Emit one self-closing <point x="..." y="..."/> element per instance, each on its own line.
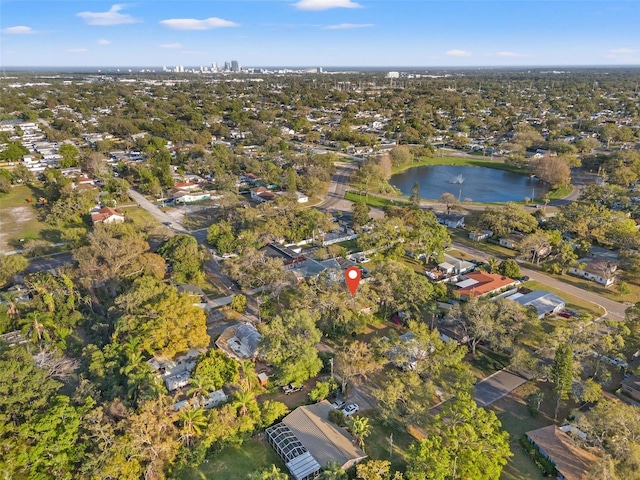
<point x="477" y="184"/>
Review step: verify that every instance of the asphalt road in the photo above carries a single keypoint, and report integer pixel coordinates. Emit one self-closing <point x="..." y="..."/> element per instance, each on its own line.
<point x="42" y="264"/>
<point x="223" y="282"/>
<point x="156" y="212"/>
<point x="335" y="197"/>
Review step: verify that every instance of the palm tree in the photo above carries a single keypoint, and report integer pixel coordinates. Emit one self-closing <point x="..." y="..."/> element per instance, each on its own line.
<point x="193" y="421"/>
<point x="133" y="354"/>
<point x="333" y="471"/>
<point x="360" y="429"/>
<point x="243" y="399"/>
<point x="197" y="389"/>
<point x="247" y="375"/>
<point x="272" y="473"/>
<point x="39" y="327"/>
<point x="492" y="264"/>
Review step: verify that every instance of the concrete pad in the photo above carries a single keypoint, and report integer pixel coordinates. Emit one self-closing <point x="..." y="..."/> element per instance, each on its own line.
<point x="496" y="386"/>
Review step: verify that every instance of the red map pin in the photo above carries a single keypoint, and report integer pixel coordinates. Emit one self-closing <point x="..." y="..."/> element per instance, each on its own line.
<point x="352" y="277"/>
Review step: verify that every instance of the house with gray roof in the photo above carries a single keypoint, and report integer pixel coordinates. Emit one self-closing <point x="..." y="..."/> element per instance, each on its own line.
<point x="306" y="441"/>
<point x="545" y="303"/>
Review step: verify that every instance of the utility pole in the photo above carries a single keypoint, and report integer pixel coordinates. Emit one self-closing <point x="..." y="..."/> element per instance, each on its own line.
<point x="390" y="445"/>
<point x="331" y="363"/>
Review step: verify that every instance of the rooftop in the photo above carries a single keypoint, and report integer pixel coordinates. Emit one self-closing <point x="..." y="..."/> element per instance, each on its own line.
<point x="570" y="460"/>
<point x="325" y="441"/>
<point x="483" y="283"/>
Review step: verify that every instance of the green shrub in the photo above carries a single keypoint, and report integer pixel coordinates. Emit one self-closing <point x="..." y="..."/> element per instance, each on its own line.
<point x="545" y="465"/>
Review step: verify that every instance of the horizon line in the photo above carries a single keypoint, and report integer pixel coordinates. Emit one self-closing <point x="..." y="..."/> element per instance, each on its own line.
<point x="352" y="67"/>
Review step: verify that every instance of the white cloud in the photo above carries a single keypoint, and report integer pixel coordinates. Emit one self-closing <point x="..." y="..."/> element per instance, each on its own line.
<point x="171" y="45"/>
<point x="77" y="50"/>
<point x="622" y="51"/>
<point x="103" y="41"/>
<point x="458" y="53"/>
<point x="325" y="4"/>
<point x="194" y="24"/>
<point x="348" y="26"/>
<point x="110" y="17"/>
<point x="19" y="30"/>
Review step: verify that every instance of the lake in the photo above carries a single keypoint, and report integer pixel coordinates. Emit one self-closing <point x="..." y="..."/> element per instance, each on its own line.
<point x="479" y="184"/>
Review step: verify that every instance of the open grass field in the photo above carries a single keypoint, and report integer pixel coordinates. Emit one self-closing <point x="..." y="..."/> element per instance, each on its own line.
<point x="234" y="462"/>
<point x="378" y="446"/>
<point x="372" y="200"/>
<point x="19" y="218"/>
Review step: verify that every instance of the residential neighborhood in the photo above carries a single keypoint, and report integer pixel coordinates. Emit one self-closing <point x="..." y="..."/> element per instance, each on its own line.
<point x="174" y="258"/>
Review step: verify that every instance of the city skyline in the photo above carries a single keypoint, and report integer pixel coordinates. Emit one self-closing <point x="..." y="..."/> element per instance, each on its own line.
<point x="336" y="33"/>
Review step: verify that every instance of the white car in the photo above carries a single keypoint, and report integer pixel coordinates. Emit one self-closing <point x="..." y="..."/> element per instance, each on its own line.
<point x="350" y="409"/>
<point x="338" y="404"/>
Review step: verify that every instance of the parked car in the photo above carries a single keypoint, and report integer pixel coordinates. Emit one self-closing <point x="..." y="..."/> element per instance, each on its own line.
<point x="338" y="404"/>
<point x="292" y="388"/>
<point x="565" y="315"/>
<point x="619" y="362"/>
<point x="350" y="409"/>
<point x="524" y="279"/>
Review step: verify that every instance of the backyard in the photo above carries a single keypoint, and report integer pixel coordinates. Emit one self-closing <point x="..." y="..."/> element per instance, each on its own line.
<point x="234" y="462"/>
<point x="515" y="417"/>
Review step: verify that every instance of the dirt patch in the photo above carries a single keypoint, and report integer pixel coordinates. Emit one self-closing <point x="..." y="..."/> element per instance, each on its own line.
<point x="11" y="223"/>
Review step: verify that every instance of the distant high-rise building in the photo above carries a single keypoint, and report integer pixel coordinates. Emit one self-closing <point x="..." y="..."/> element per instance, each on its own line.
<point x="319" y="70"/>
<point x="214" y="67"/>
<point x="235" y="66"/>
<point x="227" y="66"/>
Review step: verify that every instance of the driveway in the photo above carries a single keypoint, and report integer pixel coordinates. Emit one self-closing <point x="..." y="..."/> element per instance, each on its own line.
<point x="496" y="386"/>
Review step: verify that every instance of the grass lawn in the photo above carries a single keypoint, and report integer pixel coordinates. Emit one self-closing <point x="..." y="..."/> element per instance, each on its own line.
<point x="234" y="462"/>
<point x="139" y="215"/>
<point x="377" y="444"/>
<point x="498" y="251"/>
<point x="486" y="362"/>
<point x="468" y="162"/>
<point x="560" y="192"/>
<point x="19" y="218"/>
<point x="372" y="200"/>
<point x="349" y="245"/>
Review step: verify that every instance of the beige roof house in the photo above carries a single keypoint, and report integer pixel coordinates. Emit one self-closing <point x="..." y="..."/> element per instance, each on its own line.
<point x="571" y="461"/>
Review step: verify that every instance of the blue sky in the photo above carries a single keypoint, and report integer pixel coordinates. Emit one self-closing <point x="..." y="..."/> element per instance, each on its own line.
<point x="319" y="33"/>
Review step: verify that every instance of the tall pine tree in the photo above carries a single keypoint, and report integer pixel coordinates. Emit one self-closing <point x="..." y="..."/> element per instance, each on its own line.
<point x="562" y="374"/>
